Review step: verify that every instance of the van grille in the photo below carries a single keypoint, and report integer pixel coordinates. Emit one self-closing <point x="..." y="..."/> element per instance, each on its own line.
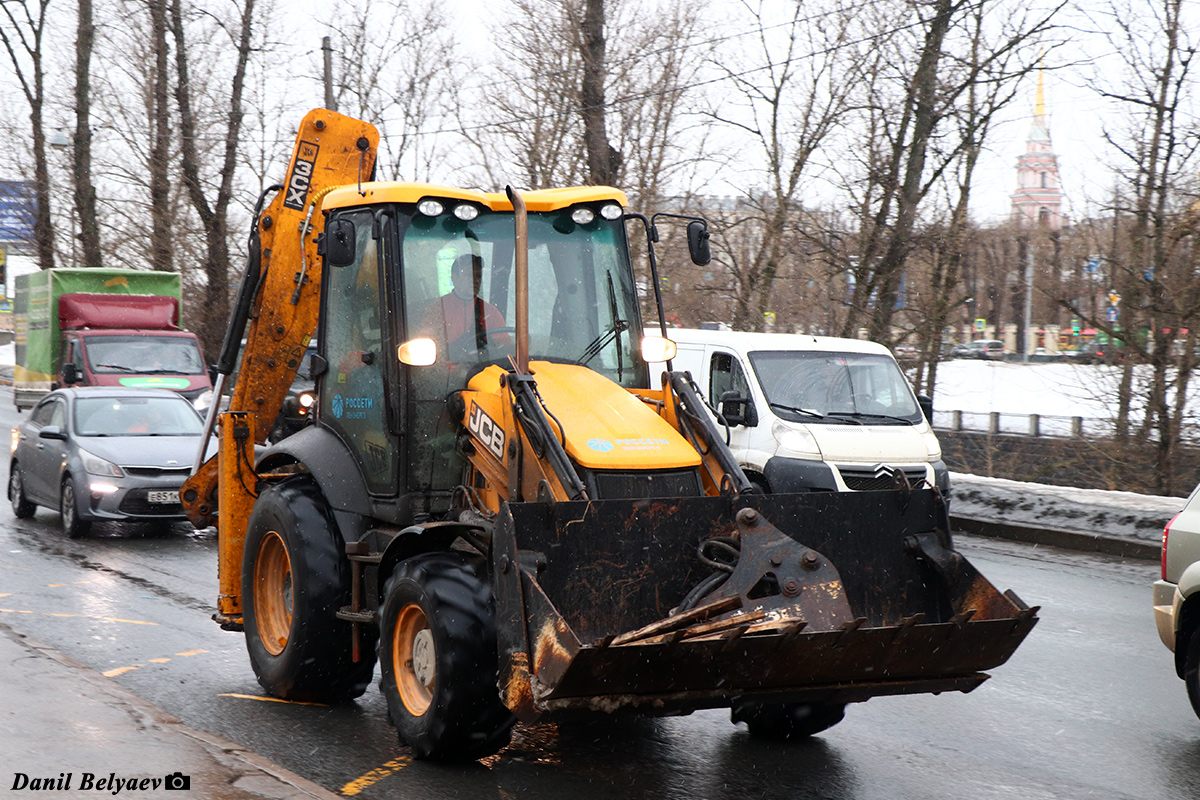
<point x="881" y="477"/>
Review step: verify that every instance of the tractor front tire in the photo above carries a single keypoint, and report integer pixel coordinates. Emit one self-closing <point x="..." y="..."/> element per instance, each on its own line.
<point x="295" y="577"/>
<point x="437" y="658"/>
<point x="787" y="720"/>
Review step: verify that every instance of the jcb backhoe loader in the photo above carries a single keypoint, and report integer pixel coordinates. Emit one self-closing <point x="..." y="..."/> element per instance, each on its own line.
<point x="508" y="501"/>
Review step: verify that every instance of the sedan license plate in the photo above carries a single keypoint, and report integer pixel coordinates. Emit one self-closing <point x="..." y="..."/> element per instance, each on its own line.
<point x="162" y="497"/>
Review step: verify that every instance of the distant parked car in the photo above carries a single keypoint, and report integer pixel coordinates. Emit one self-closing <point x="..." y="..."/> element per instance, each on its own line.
<point x="104" y="453"/>
<point x="1098" y="353"/>
<point x="1177" y="595"/>
<point x="986" y="349"/>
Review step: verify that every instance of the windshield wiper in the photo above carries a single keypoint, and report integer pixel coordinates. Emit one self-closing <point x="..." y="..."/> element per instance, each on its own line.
<point x="796" y="410"/>
<point x="614" y="332"/>
<point x="120" y="367"/>
<point x="860" y="414"/>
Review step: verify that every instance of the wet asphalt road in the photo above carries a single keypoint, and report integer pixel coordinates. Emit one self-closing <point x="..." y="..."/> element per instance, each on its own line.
<point x="1088" y="707"/>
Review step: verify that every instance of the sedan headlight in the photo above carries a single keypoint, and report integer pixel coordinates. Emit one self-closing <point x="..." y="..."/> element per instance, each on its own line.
<point x="95" y="465"/>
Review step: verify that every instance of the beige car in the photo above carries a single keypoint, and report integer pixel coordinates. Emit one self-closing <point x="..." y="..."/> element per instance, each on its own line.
<point x="1177" y="595"/>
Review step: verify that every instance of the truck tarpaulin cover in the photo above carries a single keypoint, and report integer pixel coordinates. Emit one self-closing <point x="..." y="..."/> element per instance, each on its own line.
<point x="147" y="312"/>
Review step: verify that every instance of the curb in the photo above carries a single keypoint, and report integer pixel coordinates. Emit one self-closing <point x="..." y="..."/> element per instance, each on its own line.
<point x="259" y="774"/>
<point x="1071" y="540"/>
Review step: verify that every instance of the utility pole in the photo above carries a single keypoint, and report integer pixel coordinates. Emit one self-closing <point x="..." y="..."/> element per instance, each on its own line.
<point x="1029" y="335"/>
<point x="327" y="51"/>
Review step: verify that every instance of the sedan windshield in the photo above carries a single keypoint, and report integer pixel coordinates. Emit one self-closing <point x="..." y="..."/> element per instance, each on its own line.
<point x="841" y="386"/>
<point x="136" y="416"/>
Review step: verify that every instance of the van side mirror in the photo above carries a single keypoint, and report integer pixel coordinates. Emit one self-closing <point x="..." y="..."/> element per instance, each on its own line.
<point x="70" y="374"/>
<point x="926" y="404"/>
<point x="52" y="432"/>
<point x="339" y="241"/>
<point x="697" y="233"/>
<point x="738" y="409"/>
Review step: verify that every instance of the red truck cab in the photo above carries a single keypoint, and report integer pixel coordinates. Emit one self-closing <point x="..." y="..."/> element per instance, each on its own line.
<point x="128" y="340"/>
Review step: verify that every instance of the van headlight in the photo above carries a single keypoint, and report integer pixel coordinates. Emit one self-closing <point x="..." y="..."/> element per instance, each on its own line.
<point x="796" y="441"/>
<point x="932" y="446"/>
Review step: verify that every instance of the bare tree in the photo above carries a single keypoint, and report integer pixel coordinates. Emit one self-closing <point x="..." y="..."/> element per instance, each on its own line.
<point x="213" y="210"/>
<point x="394" y="66"/>
<point x="1154" y="258"/>
<point x="25" y="23"/>
<point x="81" y="162"/>
<point x="906" y="131"/>
<point x="788" y="103"/>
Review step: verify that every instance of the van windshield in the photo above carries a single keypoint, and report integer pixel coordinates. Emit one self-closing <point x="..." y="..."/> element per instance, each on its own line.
<point x="866" y="387"/>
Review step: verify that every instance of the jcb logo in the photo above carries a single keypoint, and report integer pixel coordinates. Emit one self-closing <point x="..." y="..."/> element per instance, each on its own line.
<point x="302" y="172"/>
<point x="487" y="431"/>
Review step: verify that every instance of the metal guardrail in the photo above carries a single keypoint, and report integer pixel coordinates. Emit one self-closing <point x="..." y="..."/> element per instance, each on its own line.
<point x="1042" y="425"/>
<point x="1035" y="425"/>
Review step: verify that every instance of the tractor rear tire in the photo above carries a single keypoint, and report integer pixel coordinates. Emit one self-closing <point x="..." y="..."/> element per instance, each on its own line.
<point x="295" y="577"/>
<point x="437" y="658"/>
<point x="787" y="720"/>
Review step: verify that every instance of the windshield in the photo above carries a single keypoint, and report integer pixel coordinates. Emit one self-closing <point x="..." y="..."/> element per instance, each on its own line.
<point x="144" y="355"/>
<point x="136" y="416"/>
<point x="460" y="290"/>
<point x="837" y="385"/>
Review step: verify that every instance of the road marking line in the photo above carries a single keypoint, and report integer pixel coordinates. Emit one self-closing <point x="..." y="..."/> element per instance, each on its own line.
<point x="112" y="673"/>
<point x="81" y="616"/>
<point x="191" y="652"/>
<point x="6" y="594"/>
<point x="14" y="611"/>
<point x="130" y="621"/>
<point x="375" y="776"/>
<point x="158" y="660"/>
<point x="272" y="699"/>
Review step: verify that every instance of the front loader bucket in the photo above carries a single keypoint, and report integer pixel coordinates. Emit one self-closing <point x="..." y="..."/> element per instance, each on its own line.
<point x="835" y="597"/>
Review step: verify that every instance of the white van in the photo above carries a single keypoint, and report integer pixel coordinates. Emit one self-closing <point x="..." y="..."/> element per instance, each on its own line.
<point x="814" y="413"/>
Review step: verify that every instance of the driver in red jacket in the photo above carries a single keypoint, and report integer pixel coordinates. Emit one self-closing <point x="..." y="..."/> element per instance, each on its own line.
<point x="466" y="318"/>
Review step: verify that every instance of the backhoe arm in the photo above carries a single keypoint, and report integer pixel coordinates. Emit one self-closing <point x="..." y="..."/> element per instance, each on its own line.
<point x="278" y="301"/>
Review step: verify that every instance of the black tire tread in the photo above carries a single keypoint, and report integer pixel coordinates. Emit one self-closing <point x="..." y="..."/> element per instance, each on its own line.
<point x="316" y="665"/>
<point x="787" y="720"/>
<point x="23" y="507"/>
<point x="467" y="720"/>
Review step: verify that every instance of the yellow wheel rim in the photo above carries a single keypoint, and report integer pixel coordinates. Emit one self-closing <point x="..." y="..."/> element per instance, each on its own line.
<point x="414" y="660"/>
<point x="273" y="593"/>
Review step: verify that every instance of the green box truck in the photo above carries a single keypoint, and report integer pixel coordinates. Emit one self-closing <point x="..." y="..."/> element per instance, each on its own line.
<point x="102" y="327"/>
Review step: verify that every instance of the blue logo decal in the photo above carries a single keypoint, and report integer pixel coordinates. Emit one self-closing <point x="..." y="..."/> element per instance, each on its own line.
<point x="338" y="406"/>
<point x="600" y="445"/>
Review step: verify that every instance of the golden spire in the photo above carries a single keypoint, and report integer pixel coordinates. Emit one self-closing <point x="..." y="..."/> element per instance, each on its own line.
<point x="1039" y="105"/>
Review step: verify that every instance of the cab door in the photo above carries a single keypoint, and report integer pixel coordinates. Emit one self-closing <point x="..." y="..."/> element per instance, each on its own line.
<point x="352" y="392"/>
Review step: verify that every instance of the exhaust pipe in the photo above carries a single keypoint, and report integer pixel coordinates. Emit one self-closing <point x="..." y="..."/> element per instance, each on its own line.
<point x="521" y="223"/>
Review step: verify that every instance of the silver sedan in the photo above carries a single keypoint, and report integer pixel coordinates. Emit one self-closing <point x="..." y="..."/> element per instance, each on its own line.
<point x="104" y="453"/>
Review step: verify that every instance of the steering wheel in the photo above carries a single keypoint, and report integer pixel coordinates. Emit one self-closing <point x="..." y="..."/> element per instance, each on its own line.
<point x="466" y="343"/>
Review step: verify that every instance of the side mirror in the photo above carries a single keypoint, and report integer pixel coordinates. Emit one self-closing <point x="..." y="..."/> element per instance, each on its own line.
<point x="697" y="233"/>
<point x="733" y="404"/>
<point x="70" y="374"/>
<point x="340" y="241"/>
<point x="926" y="404"/>
<point x="52" y="432"/>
